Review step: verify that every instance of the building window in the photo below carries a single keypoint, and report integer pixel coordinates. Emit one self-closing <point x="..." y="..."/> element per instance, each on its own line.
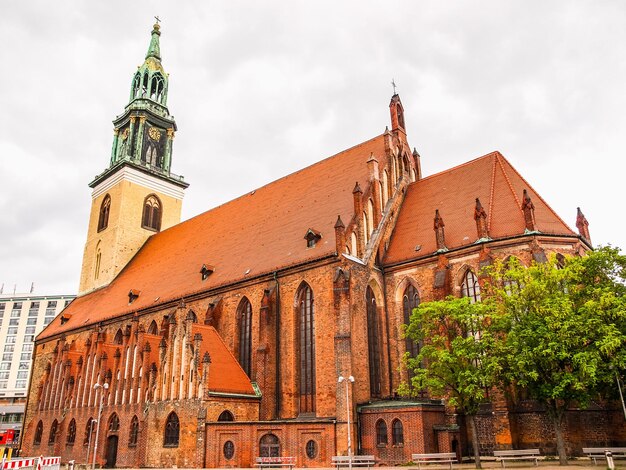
<point x="244" y="313"/>
<point x="105" y="208"/>
<point x="51" y="307"/>
<point x="114" y="423"/>
<point x="4" y="375"/>
<point x="88" y="430"/>
<point x="373" y="343"/>
<point x="311" y="449"/>
<point x="5" y="366"/>
<point x="16" y="313"/>
<point x="47" y="320"/>
<point x="172" y="430"/>
<point x="134" y="432"/>
<point x="381" y="433"/>
<point x="7" y="356"/>
<point x="397" y="433"/>
<point x="4" y="384"/>
<point x="27" y="347"/>
<point x="38" y="433"/>
<point x="53" y="432"/>
<point x="23" y="366"/>
<point x="25" y="357"/>
<point x="470" y="287"/>
<point x="9" y="347"/>
<point x="23" y="374"/>
<point x="306" y="349"/>
<point x="229" y="450"/>
<point x="226" y="416"/>
<point x="269" y="446"/>
<point x="14" y="322"/>
<point x="31" y="321"/>
<point x="71" y="433"/>
<point x="151" y="213"/>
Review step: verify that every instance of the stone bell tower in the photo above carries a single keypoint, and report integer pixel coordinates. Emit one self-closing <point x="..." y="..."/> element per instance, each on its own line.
<point x="137" y="195"/>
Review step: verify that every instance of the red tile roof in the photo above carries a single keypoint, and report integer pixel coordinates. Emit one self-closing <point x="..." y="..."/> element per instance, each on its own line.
<point x="490" y="178"/>
<point x="254" y="234"/>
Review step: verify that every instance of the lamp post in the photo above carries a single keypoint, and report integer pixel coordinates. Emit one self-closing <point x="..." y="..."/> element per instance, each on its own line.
<point x="95" y="446"/>
<point x="91" y="424"/>
<point x="348" y="381"/>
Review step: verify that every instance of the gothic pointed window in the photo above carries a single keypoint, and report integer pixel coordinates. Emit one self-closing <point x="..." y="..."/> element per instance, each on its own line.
<point x="373" y="343"/>
<point x="153" y="329"/>
<point x="470" y="287"/>
<point x="134" y="432"/>
<point x="118" y="337"/>
<point x="151" y="213"/>
<point x="172" y="431"/>
<point x="105" y="208"/>
<point x="88" y="429"/>
<point x="381" y="433"/>
<point x="114" y="423"/>
<point x="244" y="314"/>
<point x="226" y="416"/>
<point x="306" y="348"/>
<point x="136" y="85"/>
<point x="71" y="433"/>
<point x="38" y="433"/>
<point x="144" y="85"/>
<point x="397" y="433"/>
<point x="410" y="300"/>
<point x="156" y="87"/>
<point x="53" y="432"/>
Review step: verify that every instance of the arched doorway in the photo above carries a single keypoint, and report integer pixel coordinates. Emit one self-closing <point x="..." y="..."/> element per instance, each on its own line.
<point x="270" y="446"/>
<point x="111" y="451"/>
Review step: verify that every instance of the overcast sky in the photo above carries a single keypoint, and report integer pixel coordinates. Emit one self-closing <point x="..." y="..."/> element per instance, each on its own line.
<point x="261" y="89"/>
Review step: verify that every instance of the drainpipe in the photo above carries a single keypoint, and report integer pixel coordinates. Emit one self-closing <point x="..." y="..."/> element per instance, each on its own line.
<point x="277" y="387"/>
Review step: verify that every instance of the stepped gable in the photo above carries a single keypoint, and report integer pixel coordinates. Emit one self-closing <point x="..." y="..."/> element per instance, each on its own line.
<point x="490" y="178"/>
<point x="255" y="234"/>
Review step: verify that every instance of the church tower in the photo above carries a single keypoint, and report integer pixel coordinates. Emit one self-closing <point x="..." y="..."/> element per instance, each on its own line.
<point x="137" y="195"/>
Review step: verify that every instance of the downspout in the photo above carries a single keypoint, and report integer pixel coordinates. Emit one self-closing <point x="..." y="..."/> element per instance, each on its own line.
<point x="388" y="333"/>
<point x="277" y="385"/>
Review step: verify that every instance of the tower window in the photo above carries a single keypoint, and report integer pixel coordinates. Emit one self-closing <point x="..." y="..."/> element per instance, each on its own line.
<point x="151" y="213"/>
<point x="105" y="207"/>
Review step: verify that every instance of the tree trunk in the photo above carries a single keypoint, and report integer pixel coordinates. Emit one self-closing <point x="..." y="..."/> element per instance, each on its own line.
<point x="475" y="443"/>
<point x="557" y="420"/>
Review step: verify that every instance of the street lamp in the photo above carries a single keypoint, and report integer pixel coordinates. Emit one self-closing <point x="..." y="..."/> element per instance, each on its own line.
<point x="95" y="446"/>
<point x="91" y="424"/>
<point x="348" y="381"/>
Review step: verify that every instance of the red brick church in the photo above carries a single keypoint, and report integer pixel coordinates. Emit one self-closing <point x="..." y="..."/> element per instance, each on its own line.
<point x="209" y="342"/>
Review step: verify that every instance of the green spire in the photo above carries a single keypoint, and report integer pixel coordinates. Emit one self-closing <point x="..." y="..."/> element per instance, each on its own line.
<point x="155" y="50"/>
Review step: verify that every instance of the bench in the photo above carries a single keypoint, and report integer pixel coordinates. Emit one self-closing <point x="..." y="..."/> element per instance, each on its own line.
<point x="595" y="453"/>
<point x="353" y="461"/>
<point x="275" y="462"/>
<point x="519" y="454"/>
<point x="440" y="457"/>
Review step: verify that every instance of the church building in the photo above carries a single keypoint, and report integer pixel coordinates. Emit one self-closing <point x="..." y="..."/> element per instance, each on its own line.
<point x="272" y="325"/>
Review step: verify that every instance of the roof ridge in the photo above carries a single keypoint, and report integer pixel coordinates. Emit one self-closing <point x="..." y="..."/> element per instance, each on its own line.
<point x="271" y="183"/>
<point x="536" y="193"/>
<point x="449" y="170"/>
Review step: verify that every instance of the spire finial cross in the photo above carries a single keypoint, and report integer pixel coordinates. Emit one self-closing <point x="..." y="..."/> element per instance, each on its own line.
<point x="393" y="84"/>
<point x="158" y="20"/>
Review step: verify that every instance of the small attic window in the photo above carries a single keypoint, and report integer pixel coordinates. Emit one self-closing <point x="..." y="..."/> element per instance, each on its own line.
<point x="206" y="270"/>
<point x="132" y="295"/>
<point x="64" y="319"/>
<point x="312" y="236"/>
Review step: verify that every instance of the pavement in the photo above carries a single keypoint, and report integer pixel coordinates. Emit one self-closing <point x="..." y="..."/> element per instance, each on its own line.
<point x="582" y="464"/>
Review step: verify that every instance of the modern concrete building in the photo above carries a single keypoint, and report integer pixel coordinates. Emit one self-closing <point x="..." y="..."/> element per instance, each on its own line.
<point x="22" y="317"/>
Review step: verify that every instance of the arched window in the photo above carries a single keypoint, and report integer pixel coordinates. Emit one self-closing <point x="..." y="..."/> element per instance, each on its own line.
<point x="370" y="217"/>
<point x="156" y="87"/>
<point x="88" y="429"/>
<point x="397" y="433"/>
<point x="269" y="446"/>
<point x="105" y="208"/>
<point x="172" y="431"/>
<point x="410" y="300"/>
<point x="136" y="85"/>
<point x="96" y="273"/>
<point x="226" y="416"/>
<point x="134" y="431"/>
<point x="353" y="243"/>
<point x="53" y="432"/>
<point x="306" y="348"/>
<point x="470" y="287"/>
<point x="38" y="433"/>
<point x="373" y="343"/>
<point x="151" y="213"/>
<point x="153" y="329"/>
<point x="114" y="423"/>
<point x="71" y="433"/>
<point x="381" y="433"/>
<point x="385" y="187"/>
<point x="118" y="337"/>
<point x="144" y="85"/>
<point x="244" y="314"/>
<point x="366" y="225"/>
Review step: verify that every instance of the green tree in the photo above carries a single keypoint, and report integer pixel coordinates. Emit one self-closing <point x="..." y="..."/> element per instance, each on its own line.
<point x="565" y="329"/>
<point x="456" y="359"/>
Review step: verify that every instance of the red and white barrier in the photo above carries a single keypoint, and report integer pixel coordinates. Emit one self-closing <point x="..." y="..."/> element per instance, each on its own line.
<point x="32" y="463"/>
